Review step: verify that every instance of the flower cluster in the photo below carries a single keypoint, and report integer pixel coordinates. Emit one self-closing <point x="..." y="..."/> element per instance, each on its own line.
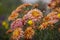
<point x="50" y="19"/>
<point x="32" y="16"/>
<point x="15" y="13"/>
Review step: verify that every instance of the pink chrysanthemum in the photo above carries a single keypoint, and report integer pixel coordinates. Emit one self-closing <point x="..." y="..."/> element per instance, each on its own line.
<point x="34" y="15"/>
<point x="17" y="23"/>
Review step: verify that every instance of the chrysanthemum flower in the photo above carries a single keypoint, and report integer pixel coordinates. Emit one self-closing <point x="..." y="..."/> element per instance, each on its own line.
<point x="34" y="15"/>
<point x="17" y="23"/>
<point x="13" y="16"/>
<point x="17" y="33"/>
<point x="43" y="26"/>
<point x="52" y="17"/>
<point x="29" y="33"/>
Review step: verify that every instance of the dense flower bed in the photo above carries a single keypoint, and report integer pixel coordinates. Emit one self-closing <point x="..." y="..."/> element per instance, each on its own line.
<point x="30" y="18"/>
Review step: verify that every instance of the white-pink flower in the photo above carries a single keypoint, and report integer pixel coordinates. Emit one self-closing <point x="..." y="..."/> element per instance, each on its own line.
<point x="34" y="15"/>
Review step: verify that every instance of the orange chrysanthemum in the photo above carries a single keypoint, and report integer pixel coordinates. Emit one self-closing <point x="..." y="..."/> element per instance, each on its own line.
<point x="29" y="32"/>
<point x="43" y="26"/>
<point x="13" y="16"/>
<point x="17" y="33"/>
<point x="15" y="13"/>
<point x="52" y="17"/>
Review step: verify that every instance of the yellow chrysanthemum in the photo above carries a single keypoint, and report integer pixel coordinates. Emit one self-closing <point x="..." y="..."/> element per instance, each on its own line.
<point x="58" y="15"/>
<point x="17" y="33"/>
<point x="35" y="13"/>
<point x="29" y="32"/>
<point x="5" y="24"/>
<point x="30" y="22"/>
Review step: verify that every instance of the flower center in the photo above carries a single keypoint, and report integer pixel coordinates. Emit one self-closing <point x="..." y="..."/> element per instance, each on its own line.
<point x="35" y="13"/>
